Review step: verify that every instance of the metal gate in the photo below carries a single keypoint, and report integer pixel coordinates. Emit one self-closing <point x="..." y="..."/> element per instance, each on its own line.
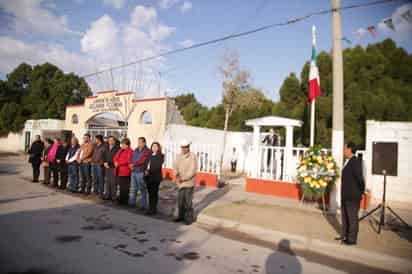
<point x="117" y="132"/>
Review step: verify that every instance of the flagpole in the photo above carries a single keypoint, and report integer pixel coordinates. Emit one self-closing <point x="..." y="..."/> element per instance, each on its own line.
<point x="312" y="107"/>
<point x="312" y="123"/>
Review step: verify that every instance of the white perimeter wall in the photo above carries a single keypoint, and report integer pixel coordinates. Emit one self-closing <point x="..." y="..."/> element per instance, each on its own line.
<point x="240" y="140"/>
<point x="13" y="142"/>
<point x="399" y="188"/>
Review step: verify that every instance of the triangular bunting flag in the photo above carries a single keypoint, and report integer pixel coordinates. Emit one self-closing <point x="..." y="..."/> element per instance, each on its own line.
<point x="372" y="30"/>
<point x="359" y="34"/>
<point x="389" y="23"/>
<point x="349" y="42"/>
<point x="407" y="16"/>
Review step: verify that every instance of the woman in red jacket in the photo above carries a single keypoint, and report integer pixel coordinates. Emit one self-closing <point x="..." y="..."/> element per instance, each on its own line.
<point x="121" y="161"/>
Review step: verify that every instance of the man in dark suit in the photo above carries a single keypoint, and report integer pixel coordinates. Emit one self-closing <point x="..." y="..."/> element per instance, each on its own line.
<point x="352" y="188"/>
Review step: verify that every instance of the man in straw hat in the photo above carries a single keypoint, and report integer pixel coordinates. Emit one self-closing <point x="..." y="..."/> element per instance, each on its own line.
<point x="185" y="168"/>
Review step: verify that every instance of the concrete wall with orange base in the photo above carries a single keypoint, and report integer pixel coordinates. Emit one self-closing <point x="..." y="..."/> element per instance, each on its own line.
<point x="202" y="178"/>
<point x="286" y="190"/>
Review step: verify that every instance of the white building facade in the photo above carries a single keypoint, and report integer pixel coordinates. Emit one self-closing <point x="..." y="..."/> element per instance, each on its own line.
<point x="398" y="188"/>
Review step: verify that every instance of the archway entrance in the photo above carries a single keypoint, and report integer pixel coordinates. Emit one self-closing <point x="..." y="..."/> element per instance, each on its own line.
<point x="107" y="124"/>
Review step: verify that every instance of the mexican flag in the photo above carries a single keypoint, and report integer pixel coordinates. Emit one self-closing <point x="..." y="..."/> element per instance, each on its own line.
<point x="314" y="83"/>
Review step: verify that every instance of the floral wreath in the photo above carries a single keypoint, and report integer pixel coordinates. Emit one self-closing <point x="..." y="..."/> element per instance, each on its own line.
<point x="317" y="172"/>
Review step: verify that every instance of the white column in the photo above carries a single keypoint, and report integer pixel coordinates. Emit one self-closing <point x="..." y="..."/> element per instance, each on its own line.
<point x="288" y="153"/>
<point x="255" y="146"/>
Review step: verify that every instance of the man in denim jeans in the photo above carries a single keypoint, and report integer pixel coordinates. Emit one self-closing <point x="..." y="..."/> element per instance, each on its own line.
<point x="138" y="165"/>
<point x="97" y="166"/>
<point x="85" y="157"/>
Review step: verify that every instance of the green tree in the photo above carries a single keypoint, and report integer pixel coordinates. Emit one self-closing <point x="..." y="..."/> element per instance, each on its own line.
<point x="42" y="91"/>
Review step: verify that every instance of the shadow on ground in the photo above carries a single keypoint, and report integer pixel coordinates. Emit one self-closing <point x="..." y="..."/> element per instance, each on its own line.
<point x="332" y="219"/>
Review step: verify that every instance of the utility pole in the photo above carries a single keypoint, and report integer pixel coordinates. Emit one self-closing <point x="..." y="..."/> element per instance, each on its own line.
<point x="338" y="107"/>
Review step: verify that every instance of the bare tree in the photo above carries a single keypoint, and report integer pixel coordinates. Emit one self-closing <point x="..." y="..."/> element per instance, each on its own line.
<point x="235" y="80"/>
<point x="127" y="107"/>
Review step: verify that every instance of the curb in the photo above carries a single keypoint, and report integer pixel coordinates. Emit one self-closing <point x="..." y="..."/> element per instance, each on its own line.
<point x="301" y="243"/>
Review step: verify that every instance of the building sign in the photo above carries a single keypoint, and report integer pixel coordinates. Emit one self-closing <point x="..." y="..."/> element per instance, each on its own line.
<point x="106" y="104"/>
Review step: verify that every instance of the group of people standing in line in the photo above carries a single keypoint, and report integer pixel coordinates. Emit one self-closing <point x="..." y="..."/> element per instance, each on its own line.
<point x="108" y="166"/>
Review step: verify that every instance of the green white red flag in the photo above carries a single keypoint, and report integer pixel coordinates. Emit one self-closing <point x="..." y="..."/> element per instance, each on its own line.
<point x="314" y="82"/>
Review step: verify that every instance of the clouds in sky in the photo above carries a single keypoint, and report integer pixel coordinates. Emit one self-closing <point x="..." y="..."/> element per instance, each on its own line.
<point x="186" y="43"/>
<point x="105" y="43"/>
<point x="141" y="35"/>
<point x="32" y="16"/>
<point x="184" y="6"/>
<point x="14" y="51"/>
<point x="117" y="4"/>
<point x="101" y="38"/>
<point x="167" y="4"/>
<point x="111" y="43"/>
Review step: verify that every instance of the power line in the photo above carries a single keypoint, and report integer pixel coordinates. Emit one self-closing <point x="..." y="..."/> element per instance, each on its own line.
<point x="240" y="34"/>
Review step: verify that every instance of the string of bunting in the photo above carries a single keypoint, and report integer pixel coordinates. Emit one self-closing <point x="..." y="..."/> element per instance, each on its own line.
<point x="404" y="17"/>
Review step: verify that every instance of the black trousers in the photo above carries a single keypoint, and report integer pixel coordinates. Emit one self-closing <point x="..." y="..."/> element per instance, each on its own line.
<point x="153" y="189"/>
<point x="124" y="186"/>
<point x="233" y="166"/>
<point x="36" y="171"/>
<point x="350" y="221"/>
<point x="54" y="170"/>
<point x="110" y="184"/>
<point x="185" y="204"/>
<point x="63" y="173"/>
<point x="269" y="157"/>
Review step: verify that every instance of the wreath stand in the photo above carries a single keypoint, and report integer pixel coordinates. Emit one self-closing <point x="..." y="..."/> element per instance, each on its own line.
<point x="302" y="200"/>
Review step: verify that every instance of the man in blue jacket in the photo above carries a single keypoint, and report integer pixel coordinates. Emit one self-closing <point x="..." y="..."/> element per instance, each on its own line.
<point x="138" y="165"/>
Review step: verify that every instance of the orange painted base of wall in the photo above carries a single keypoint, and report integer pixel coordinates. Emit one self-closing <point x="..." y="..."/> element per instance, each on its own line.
<point x="287" y="190"/>
<point x="274" y="188"/>
<point x="206" y="179"/>
<point x="202" y="178"/>
<point x="168" y="174"/>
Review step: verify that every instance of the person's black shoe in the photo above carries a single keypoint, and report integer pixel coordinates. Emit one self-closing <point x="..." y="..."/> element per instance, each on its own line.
<point x="176" y="220"/>
<point x="346" y="242"/>
<point x="340" y="238"/>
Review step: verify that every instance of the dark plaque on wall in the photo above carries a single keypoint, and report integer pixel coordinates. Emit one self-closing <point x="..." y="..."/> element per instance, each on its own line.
<point x="385" y="157"/>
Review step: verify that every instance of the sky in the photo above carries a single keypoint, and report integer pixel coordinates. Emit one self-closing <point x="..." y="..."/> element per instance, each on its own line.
<point x="85" y="36"/>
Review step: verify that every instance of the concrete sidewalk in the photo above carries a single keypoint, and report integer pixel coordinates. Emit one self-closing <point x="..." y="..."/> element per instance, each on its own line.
<point x="270" y="219"/>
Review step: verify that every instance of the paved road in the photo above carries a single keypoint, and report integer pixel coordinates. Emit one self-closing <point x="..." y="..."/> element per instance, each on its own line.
<point x="46" y="231"/>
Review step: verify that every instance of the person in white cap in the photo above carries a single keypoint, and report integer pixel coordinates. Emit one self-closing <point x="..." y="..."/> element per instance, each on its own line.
<point x="185" y="168"/>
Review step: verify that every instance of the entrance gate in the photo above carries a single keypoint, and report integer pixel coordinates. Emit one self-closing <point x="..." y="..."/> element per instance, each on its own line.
<point x="117" y="132"/>
<point x="107" y="124"/>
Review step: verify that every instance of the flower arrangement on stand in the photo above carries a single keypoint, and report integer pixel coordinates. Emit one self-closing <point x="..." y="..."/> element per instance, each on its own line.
<point x="317" y="172"/>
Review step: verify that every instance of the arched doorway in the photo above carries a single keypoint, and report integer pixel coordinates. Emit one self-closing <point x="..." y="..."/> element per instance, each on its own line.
<point x="107" y="124"/>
